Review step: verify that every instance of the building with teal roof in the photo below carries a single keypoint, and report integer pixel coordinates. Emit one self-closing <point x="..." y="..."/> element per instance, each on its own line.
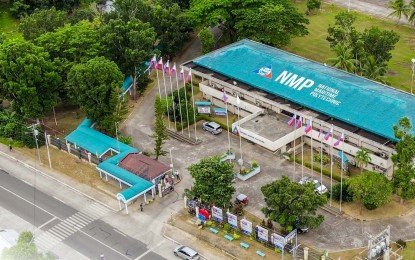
<point x="361" y="110"/>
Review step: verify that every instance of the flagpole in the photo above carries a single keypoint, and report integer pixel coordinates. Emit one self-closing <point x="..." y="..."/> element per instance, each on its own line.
<point x="187" y="110"/>
<point x="312" y="158"/>
<point x="321" y="157"/>
<point x="165" y="91"/>
<point x="227" y="126"/>
<point x="238" y="101"/>
<point x="302" y="153"/>
<point x="174" y="108"/>
<point x="341" y="175"/>
<point x="193" y="101"/>
<point x="158" y="82"/>
<point x="331" y="170"/>
<point x="295" y="128"/>
<point x="180" y="106"/>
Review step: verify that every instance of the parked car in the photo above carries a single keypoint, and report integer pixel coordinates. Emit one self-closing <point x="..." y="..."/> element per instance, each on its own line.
<point x="186" y="252"/>
<point x="319" y="187"/>
<point x="212" y="128"/>
<point x="242" y="199"/>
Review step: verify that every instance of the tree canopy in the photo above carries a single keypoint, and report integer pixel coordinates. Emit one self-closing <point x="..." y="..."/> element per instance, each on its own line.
<point x="269" y="21"/>
<point x="24" y="249"/>
<point x="212" y="181"/>
<point x="96" y="85"/>
<point x="26" y="7"/>
<point x="290" y="203"/>
<point x="28" y="78"/>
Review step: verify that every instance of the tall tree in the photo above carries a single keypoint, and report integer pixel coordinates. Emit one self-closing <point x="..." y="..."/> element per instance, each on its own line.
<point x="411" y="14"/>
<point x="28" y="78"/>
<point x="372" y="188"/>
<point x="374" y="71"/>
<point x="362" y="158"/>
<point x="313" y="5"/>
<point x="26" y="7"/>
<point x="379" y="43"/>
<point x="399" y="8"/>
<point x="343" y="30"/>
<point x="404" y="175"/>
<point x="344" y="58"/>
<point x="290" y="203"/>
<point x="160" y="134"/>
<point x="24" y="249"/>
<point x="207" y="40"/>
<point x="40" y="22"/>
<point x="241" y="18"/>
<point x="96" y="86"/>
<point x="212" y="181"/>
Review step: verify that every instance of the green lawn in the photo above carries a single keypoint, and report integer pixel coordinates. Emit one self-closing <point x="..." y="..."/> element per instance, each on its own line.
<point x="315" y="46"/>
<point x="409" y="251"/>
<point x="8" y="24"/>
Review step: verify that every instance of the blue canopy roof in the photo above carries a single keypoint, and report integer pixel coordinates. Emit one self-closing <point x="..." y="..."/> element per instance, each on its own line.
<point x="344" y="96"/>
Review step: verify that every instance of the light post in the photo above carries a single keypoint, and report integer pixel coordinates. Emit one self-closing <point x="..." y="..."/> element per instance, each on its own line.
<point x="171" y="160"/>
<point x="413" y="70"/>
<point x="348" y="7"/>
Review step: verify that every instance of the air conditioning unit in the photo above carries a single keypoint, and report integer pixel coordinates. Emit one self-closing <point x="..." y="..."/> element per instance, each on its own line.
<point x="384" y="155"/>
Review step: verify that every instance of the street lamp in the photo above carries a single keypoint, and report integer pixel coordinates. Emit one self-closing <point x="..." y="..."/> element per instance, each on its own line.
<point x="171" y="159"/>
<point x="413" y="69"/>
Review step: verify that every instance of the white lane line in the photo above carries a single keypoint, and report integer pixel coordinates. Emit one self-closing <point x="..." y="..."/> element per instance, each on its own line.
<point x="119" y="232"/>
<point x="84" y="216"/>
<point x="150" y="249"/>
<point x="79" y="220"/>
<point x="28" y="183"/>
<point x="56" y="234"/>
<point x="44" y="224"/>
<point x="59" y="200"/>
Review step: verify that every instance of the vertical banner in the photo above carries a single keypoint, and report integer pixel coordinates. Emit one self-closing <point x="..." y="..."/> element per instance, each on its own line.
<point x="262" y="233"/>
<point x="290" y="236"/>
<point x="217" y="214"/>
<point x="246" y="227"/>
<point x="232" y="220"/>
<point x="278" y="240"/>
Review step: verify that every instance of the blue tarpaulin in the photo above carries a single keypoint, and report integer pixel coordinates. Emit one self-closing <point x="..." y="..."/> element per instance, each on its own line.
<point x="352" y="99"/>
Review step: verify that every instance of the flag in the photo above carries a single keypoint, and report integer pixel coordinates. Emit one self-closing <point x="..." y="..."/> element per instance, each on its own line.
<point x="298" y="125"/>
<point x="327" y="135"/>
<point x="173" y="70"/>
<point x="159" y="64"/>
<point x="238" y="101"/>
<point x="166" y="67"/>
<point x="291" y="121"/>
<point x="153" y="62"/>
<point x="181" y="74"/>
<point x="308" y="127"/>
<point x="224" y="97"/>
<point x="341" y="138"/>
<point x="189" y="76"/>
<point x="319" y="133"/>
<point x="235" y="130"/>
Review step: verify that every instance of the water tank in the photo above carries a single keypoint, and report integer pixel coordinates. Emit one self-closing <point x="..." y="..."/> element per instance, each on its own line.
<point x="378" y="250"/>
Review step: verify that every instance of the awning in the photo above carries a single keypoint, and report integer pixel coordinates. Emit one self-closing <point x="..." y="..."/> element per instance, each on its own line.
<point x="203" y="103"/>
<point x="345" y="159"/>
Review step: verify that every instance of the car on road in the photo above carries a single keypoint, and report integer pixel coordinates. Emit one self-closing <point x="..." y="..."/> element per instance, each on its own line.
<point x="212" y="128"/>
<point x="186" y="252"/>
<point x="318" y="186"/>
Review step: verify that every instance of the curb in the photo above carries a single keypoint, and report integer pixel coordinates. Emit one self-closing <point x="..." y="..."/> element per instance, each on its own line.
<point x="30" y="167"/>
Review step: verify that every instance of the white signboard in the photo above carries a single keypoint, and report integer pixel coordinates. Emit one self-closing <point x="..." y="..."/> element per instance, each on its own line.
<point x="203" y="110"/>
<point x="262" y="233"/>
<point x="290" y="236"/>
<point x="278" y="240"/>
<point x="246" y="227"/>
<point x="232" y="220"/>
<point x="217" y="214"/>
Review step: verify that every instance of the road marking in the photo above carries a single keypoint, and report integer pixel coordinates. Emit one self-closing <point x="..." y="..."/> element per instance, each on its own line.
<point x="59" y="200"/>
<point x="28" y="183"/>
<point x="150" y="249"/>
<point x="44" y="224"/>
<point x="119" y="232"/>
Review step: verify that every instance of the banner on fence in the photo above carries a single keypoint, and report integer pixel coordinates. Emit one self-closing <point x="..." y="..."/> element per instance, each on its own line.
<point x="262" y="233"/>
<point x="290" y="236"/>
<point x="246" y="227"/>
<point x="217" y="214"/>
<point x="278" y="240"/>
<point x="232" y="220"/>
<point x="203" y="110"/>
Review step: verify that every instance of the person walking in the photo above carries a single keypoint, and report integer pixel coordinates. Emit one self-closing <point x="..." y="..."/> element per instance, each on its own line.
<point x="101" y="256"/>
<point x="141" y="207"/>
<point x="10" y="147"/>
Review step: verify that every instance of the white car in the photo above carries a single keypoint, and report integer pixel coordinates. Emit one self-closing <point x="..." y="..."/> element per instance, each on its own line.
<point x="319" y="187"/>
<point x="212" y="128"/>
<point x="186" y="252"/>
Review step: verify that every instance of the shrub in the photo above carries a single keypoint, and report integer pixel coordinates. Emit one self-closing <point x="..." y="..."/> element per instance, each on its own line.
<point x="317" y="158"/>
<point x="347" y="195"/>
<point x="254" y="164"/>
<point x="269" y="224"/>
<point x="236" y="236"/>
<point x="209" y="223"/>
<point x="227" y="227"/>
<point x="401" y="242"/>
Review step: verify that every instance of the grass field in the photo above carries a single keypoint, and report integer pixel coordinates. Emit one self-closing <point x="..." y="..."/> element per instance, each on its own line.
<point x="8" y="24"/>
<point x="315" y="46"/>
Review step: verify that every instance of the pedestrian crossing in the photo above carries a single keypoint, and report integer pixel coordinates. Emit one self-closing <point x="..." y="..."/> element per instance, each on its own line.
<point x="69" y="226"/>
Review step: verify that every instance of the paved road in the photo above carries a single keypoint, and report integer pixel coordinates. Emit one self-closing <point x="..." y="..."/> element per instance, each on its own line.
<point x="57" y="222"/>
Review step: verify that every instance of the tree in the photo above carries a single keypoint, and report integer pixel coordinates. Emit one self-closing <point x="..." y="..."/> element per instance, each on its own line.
<point x="96" y="86"/>
<point x="81" y="14"/>
<point x="404" y="174"/>
<point x="24" y="249"/>
<point x="343" y="30"/>
<point x="28" y="78"/>
<point x="160" y="134"/>
<point x="207" y="40"/>
<point x="374" y="71"/>
<point x="40" y="22"/>
<point x="362" y="158"/>
<point x="241" y="18"/>
<point x="371" y="188"/>
<point x="411" y="15"/>
<point x="379" y="43"/>
<point x="399" y="8"/>
<point x="272" y="24"/>
<point x="290" y="203"/>
<point x="313" y="5"/>
<point x="212" y="181"/>
<point x="344" y="59"/>
<point x="26" y="7"/>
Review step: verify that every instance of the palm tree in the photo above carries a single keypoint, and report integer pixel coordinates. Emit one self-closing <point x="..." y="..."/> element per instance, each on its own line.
<point x="374" y="71"/>
<point x="399" y="8"/>
<point x="344" y="59"/>
<point x="411" y="15"/>
<point x="361" y="158"/>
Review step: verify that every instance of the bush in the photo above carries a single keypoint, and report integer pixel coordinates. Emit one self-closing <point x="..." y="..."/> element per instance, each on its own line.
<point x="317" y="169"/>
<point x="209" y="223"/>
<point x="236" y="236"/>
<point x="227" y="228"/>
<point x="254" y="164"/>
<point x="317" y="158"/>
<point x="347" y="195"/>
<point x="401" y="242"/>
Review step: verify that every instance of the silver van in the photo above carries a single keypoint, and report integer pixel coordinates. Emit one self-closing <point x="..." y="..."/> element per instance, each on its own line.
<point x="186" y="252"/>
<point x="212" y="127"/>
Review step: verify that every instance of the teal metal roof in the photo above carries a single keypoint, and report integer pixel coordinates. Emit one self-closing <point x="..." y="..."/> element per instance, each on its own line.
<point x="360" y="102"/>
<point x="127" y="83"/>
